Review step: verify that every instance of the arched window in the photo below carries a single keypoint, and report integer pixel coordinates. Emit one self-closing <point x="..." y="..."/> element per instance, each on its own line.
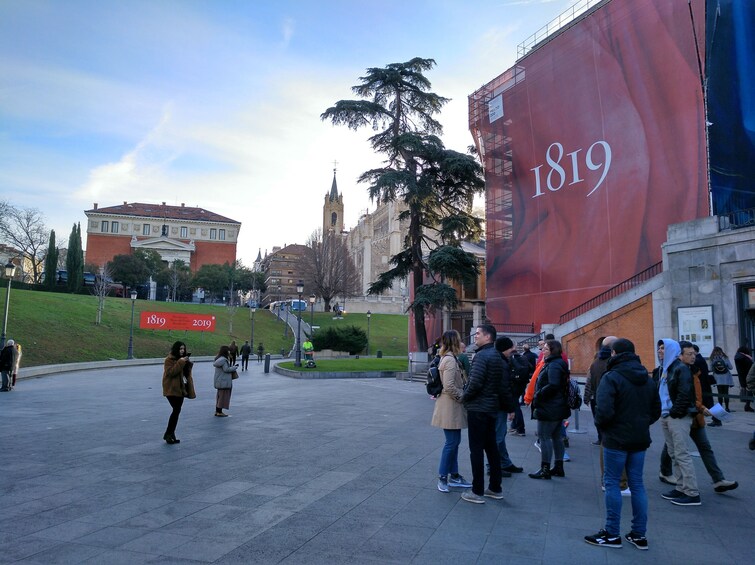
<point x="333" y="218"/>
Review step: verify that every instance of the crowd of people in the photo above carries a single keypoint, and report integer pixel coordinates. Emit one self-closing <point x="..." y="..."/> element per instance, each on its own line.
<point x="625" y="399"/>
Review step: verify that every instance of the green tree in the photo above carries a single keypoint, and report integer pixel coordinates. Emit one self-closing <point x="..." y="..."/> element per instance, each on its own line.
<point x="51" y="262"/>
<point x="212" y="278"/>
<point x="129" y="270"/>
<point x="436" y="184"/>
<point x="177" y="277"/>
<point x="75" y="260"/>
<point x="152" y="260"/>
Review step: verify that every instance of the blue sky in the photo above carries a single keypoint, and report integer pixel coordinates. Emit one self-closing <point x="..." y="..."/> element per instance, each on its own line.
<point x="216" y="103"/>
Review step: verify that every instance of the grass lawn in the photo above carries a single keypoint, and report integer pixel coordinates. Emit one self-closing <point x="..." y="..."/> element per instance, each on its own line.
<point x="388" y="332"/>
<point x="60" y="328"/>
<point x="350" y="365"/>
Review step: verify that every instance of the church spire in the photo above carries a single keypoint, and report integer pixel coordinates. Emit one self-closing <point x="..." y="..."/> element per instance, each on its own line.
<point x="333" y="189"/>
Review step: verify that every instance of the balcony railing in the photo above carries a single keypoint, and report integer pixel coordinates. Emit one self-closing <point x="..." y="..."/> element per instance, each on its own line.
<point x="612" y="292"/>
<point x="553" y="26"/>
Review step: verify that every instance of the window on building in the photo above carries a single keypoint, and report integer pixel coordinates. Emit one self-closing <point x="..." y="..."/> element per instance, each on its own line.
<point x="333" y="219"/>
<point x="184" y="231"/>
<point x="213" y="233"/>
<point x="104" y="226"/>
<point x="146" y="229"/>
<point x="114" y="227"/>
<point x="221" y="235"/>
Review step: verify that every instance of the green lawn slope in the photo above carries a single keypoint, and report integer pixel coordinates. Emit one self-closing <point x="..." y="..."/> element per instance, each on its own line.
<point x="60" y="328"/>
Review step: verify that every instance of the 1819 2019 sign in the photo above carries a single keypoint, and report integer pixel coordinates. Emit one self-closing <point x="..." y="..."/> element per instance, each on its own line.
<point x="175" y="321"/>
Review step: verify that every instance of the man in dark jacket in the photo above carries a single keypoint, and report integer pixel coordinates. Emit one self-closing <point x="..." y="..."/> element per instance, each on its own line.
<point x="481" y="399"/>
<point x="7" y="362"/>
<point x="678" y="407"/>
<point x="506" y="406"/>
<point x="627" y="405"/>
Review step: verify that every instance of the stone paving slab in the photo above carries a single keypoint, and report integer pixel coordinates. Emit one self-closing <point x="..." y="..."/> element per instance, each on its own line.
<point x="312" y="471"/>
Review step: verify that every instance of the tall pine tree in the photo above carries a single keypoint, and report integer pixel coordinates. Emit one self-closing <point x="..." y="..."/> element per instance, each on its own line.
<point x="51" y="262"/>
<point x="75" y="260"/>
<point x="436" y="184"/>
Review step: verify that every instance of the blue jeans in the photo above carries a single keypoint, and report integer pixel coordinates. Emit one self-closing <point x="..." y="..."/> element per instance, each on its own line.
<point x="615" y="461"/>
<point x="449" y="457"/>
<point x="501" y="424"/>
<point x="518" y="423"/>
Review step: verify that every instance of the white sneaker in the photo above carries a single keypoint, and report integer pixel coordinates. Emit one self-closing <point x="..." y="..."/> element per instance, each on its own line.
<point x="626" y="492"/>
<point x="566" y="456"/>
<point x="537" y="444"/>
<point x="469" y="496"/>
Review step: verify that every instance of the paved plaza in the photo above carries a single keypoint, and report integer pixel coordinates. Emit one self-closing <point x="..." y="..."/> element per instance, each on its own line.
<point x="313" y="471"/>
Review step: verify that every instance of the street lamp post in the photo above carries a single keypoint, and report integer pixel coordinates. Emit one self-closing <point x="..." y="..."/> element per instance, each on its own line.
<point x="299" y="291"/>
<point x="312" y="299"/>
<point x="131" y="334"/>
<point x="10" y="270"/>
<point x="252" y="311"/>
<point x="369" y="315"/>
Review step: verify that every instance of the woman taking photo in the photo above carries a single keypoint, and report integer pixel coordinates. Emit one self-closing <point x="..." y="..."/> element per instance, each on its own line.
<point x="223" y="380"/>
<point x="449" y="413"/>
<point x="550" y="407"/>
<point x="177" y="384"/>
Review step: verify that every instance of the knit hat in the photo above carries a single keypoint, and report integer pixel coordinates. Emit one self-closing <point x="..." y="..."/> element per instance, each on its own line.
<point x="503" y="344"/>
<point x="10" y="342"/>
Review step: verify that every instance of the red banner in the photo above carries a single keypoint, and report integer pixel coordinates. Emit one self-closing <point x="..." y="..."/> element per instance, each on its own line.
<point x="175" y="321"/>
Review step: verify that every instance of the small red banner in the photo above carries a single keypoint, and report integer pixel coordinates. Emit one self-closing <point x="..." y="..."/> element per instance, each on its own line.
<point x="174" y="321"/>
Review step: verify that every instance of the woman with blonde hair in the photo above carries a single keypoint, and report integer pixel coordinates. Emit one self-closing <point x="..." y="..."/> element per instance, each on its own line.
<point x="449" y="413"/>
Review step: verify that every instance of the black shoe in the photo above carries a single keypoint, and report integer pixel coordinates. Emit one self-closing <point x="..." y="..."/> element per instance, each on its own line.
<point x="512" y="469"/>
<point x="604" y="539"/>
<point x="504" y="474"/>
<point x="558" y="469"/>
<point x="640" y="542"/>
<point x="752" y="444"/>
<point x="566" y="442"/>
<point x="687" y="500"/>
<point x="672" y="494"/>
<point x="169" y="439"/>
<point x="749" y="409"/>
<point x="543" y="473"/>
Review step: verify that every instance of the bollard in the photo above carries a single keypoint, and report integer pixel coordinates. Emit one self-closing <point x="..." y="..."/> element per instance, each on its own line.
<point x="575" y="429"/>
<point x="379" y="354"/>
<point x="267" y="362"/>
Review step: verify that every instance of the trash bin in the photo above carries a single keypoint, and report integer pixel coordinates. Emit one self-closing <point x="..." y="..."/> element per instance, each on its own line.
<point x="379" y="354"/>
<point x="267" y="362"/>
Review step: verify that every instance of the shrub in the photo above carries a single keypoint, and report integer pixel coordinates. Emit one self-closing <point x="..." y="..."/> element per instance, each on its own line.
<point x="350" y="338"/>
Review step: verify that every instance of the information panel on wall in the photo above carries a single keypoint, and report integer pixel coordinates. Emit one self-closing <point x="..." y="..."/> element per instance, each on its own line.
<point x="176" y="321"/>
<point x="696" y="326"/>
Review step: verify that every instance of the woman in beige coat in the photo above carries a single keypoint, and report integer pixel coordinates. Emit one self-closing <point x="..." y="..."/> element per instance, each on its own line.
<point x="449" y="413"/>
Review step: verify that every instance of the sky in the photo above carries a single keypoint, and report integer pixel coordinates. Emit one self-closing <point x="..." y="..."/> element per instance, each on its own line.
<point x="217" y="103"/>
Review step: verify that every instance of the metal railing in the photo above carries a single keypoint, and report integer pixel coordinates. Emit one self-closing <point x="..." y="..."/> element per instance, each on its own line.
<point x="553" y="26"/>
<point x="736" y="219"/>
<point x="613" y="292"/>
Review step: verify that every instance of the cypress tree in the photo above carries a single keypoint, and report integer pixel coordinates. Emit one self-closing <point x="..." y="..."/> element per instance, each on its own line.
<point x="51" y="262"/>
<point x="75" y="260"/>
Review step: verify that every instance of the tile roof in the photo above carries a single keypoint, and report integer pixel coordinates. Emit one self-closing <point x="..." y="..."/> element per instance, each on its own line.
<point x="162" y="211"/>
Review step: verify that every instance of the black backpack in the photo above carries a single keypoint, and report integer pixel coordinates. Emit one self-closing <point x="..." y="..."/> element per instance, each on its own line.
<point x="521" y="371"/>
<point x="434" y="385"/>
<point x="719" y="367"/>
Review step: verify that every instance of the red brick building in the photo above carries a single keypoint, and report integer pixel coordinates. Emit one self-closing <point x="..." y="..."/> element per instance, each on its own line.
<point x="194" y="235"/>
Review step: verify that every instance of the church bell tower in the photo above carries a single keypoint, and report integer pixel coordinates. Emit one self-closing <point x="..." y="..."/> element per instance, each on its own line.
<point x="332" y="210"/>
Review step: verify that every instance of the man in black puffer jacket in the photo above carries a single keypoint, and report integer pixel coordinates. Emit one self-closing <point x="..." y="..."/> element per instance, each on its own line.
<point x="627" y="405"/>
<point x="481" y="399"/>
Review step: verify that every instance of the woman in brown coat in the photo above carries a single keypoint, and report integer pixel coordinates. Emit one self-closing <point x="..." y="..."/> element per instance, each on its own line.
<point x="449" y="412"/>
<point x="176" y="376"/>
